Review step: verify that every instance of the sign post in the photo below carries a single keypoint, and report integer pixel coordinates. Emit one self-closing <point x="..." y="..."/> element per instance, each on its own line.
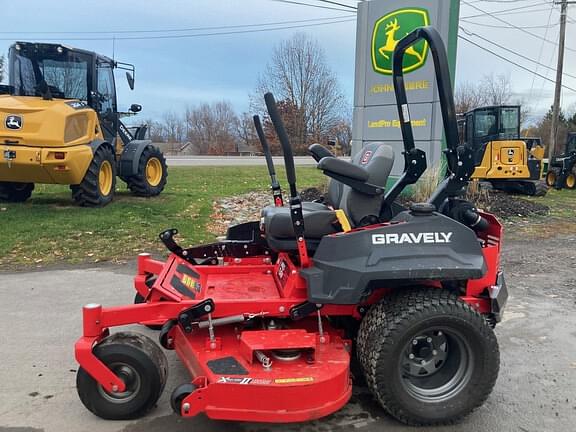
<point x="381" y="24"/>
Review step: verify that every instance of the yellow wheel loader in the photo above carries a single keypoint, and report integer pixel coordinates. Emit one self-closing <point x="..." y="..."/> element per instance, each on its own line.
<point x="503" y="159"/>
<point x="60" y="124"/>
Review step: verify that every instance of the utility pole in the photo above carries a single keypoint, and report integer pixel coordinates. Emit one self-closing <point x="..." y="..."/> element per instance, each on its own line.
<point x="557" y="91"/>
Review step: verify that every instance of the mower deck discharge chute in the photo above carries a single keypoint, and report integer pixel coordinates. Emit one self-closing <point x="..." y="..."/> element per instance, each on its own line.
<point x="266" y="322"/>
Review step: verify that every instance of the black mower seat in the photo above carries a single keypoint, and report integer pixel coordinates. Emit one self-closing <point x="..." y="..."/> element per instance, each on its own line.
<point x="370" y="167"/>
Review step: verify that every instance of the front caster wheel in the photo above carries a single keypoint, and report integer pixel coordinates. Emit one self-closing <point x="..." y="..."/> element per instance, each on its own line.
<point x="179" y="394"/>
<point x="139" y="363"/>
<point x="428" y="357"/>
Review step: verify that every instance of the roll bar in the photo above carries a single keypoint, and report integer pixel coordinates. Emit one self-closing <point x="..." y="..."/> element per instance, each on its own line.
<point x="459" y="158"/>
<point x="276" y="190"/>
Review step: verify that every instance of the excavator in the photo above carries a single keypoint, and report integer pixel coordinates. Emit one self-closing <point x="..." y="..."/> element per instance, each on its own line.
<point x="503" y="159"/>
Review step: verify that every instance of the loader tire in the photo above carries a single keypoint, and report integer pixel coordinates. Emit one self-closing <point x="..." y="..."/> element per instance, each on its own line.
<point x="99" y="182"/>
<point x="428" y="357"/>
<point x="571" y="181"/>
<point x="15" y="192"/>
<point x="152" y="173"/>
<point x="551" y="177"/>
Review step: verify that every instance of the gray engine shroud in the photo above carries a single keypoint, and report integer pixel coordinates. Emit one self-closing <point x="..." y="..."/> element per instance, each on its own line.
<point x="347" y="266"/>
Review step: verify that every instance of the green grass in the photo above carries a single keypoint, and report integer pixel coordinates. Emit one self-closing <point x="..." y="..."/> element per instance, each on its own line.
<point x="50" y="229"/>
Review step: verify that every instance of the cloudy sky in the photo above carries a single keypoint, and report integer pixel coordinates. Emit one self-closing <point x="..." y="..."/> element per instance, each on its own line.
<point x="175" y="72"/>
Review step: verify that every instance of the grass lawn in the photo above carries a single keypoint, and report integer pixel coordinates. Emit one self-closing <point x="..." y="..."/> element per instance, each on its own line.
<point x="50" y="229"/>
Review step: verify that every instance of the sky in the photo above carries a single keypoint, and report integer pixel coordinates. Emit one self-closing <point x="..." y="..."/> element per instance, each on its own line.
<point x="172" y="73"/>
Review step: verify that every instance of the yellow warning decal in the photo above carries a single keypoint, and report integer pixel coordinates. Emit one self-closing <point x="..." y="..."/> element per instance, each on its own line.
<point x="189" y="282"/>
<point x="293" y="380"/>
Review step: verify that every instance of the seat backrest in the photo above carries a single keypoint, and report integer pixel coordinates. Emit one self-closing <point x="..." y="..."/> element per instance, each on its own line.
<point x="377" y="159"/>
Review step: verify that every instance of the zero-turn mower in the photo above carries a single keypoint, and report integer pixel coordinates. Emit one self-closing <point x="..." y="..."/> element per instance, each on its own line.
<point x="60" y="124"/>
<point x="266" y="322"/>
<point x="561" y="170"/>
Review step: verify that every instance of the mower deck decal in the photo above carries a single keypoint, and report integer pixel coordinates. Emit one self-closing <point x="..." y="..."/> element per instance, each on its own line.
<point x="181" y="288"/>
<point x="183" y="269"/>
<point x="293" y="380"/>
<point x="226" y="366"/>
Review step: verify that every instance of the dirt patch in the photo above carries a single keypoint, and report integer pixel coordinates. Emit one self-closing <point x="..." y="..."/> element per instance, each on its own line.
<point x="507" y="206"/>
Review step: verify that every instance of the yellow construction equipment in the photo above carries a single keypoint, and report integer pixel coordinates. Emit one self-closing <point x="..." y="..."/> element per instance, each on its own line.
<point x="503" y="159"/>
<point x="59" y="123"/>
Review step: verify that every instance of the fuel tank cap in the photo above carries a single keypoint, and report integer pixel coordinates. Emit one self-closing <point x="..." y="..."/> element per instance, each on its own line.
<point x="422" y="209"/>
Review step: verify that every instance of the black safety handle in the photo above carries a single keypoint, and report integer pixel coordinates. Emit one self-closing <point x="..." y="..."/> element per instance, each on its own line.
<point x="284" y="141"/>
<point x="275" y="185"/>
<point x="445" y="93"/>
<point x="265" y="146"/>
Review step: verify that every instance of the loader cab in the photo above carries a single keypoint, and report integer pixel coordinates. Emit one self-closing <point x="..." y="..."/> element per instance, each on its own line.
<point x="54" y="71"/>
<point x="494" y="123"/>
<point x="571" y="143"/>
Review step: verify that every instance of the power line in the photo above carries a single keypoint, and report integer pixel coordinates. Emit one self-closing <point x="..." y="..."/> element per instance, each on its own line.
<point x="469" y="33"/>
<point x="310" y="5"/>
<point x="181" y="29"/>
<point x="338" y="4"/>
<point x="512" y="11"/>
<point x="186" y="36"/>
<point x="516" y="27"/>
<point x="540" y="54"/>
<point x="512" y="62"/>
<point x="547" y="26"/>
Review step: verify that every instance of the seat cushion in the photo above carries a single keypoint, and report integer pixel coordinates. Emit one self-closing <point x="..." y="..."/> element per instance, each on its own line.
<point x="319" y="220"/>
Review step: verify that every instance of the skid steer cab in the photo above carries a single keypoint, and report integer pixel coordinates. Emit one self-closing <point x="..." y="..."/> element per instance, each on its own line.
<point x="60" y="124"/>
<point x="266" y="321"/>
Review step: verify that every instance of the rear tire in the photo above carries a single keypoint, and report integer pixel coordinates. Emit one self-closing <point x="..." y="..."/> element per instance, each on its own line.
<point x="140" y="363"/>
<point x="15" y="192"/>
<point x="99" y="182"/>
<point x="152" y="173"/>
<point x="428" y="358"/>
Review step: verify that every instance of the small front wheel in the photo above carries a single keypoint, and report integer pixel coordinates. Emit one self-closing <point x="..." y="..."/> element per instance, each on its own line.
<point x="139" y="363"/>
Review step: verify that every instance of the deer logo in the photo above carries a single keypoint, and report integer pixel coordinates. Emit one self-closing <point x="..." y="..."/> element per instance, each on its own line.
<point x="13" y="122"/>
<point x="389" y="30"/>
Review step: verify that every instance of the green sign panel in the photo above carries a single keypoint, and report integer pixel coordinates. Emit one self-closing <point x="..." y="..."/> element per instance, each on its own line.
<point x="392" y="27"/>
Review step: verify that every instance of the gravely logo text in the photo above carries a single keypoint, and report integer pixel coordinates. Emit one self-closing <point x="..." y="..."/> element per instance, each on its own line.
<point x="411" y="238"/>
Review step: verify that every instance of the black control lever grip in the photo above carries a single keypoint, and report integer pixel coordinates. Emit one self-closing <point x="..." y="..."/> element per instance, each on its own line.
<point x="284" y="141"/>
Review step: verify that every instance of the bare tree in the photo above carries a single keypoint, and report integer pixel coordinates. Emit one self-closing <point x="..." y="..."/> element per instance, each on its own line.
<point x="298" y="75"/>
<point x="247" y="134"/>
<point x="212" y="128"/>
<point x="491" y="90"/>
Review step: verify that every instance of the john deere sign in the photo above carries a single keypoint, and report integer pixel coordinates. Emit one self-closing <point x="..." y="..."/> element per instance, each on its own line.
<point x="388" y="30"/>
<point x="381" y="24"/>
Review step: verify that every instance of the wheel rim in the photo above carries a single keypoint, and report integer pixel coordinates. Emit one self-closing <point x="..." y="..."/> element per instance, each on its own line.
<point x="153" y="171"/>
<point x="131" y="379"/>
<point x="436" y="365"/>
<point x="105" y="178"/>
<point x="551" y="178"/>
<point x="571" y="181"/>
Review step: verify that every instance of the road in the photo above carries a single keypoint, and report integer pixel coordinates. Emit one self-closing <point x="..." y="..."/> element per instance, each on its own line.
<point x="40" y="320"/>
<point x="233" y="160"/>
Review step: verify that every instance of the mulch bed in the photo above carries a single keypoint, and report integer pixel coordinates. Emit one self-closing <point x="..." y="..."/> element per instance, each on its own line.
<point x="247" y="207"/>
